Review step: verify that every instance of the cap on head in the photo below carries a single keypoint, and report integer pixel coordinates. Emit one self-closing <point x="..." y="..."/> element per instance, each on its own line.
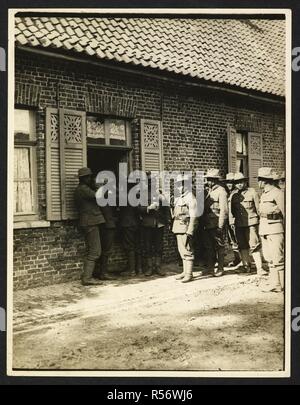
<point x="229" y="177"/>
<point x="213" y="174"/>
<point x="266" y="173"/>
<point x="84" y="171"/>
<point x="239" y="177"/>
<point x="279" y="176"/>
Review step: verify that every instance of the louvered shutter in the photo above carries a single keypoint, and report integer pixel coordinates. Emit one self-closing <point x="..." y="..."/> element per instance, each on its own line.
<point x="151" y="145"/>
<point x="255" y="149"/>
<point x="53" y="165"/>
<point x="65" y="154"/>
<point x="231" y="143"/>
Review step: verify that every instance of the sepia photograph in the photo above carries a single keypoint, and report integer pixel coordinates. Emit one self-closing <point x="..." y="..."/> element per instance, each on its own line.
<point x="149" y="192"/>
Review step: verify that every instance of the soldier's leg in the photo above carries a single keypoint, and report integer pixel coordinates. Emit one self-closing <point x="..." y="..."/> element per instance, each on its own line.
<point x="93" y="252"/>
<point x="147" y="237"/>
<point x="210" y="251"/>
<point x="219" y="236"/>
<point x="268" y="252"/>
<point x="129" y="240"/>
<point x="107" y="238"/>
<point x="234" y="246"/>
<point x="277" y="242"/>
<point x="158" y="235"/>
<point x="138" y="252"/>
<point x="180" y="246"/>
<point x="255" y="249"/>
<point x="242" y="236"/>
<point x="188" y="260"/>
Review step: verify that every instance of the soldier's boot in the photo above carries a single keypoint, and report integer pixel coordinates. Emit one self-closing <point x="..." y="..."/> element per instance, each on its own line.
<point x="138" y="265"/>
<point x="246" y="261"/>
<point x="188" y="264"/>
<point x="87" y="275"/>
<point x="258" y="263"/>
<point x="131" y="263"/>
<point x="181" y="275"/>
<point x="274" y="284"/>
<point x="103" y="274"/>
<point x="236" y="260"/>
<point x="149" y="268"/>
<point x="158" y="270"/>
<point x="281" y="279"/>
<point x="221" y="258"/>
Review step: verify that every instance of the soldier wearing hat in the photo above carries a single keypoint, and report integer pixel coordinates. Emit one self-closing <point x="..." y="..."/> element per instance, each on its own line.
<point x="107" y="235"/>
<point x="90" y="218"/>
<point x="215" y="219"/>
<point x="231" y="190"/>
<point x="185" y="221"/>
<point x="271" y="227"/>
<point x="245" y="210"/>
<point x="155" y="215"/>
<point x="130" y="223"/>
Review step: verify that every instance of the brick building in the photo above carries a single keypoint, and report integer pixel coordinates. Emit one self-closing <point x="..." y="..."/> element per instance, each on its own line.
<point x="157" y="93"/>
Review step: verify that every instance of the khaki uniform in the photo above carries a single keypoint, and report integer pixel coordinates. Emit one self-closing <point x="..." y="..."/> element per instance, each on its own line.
<point x="215" y="219"/>
<point x="271" y="229"/>
<point x="244" y="209"/>
<point x="185" y="223"/>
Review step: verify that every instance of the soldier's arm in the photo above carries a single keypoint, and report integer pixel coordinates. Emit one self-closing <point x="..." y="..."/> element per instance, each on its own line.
<point x="256" y="201"/>
<point x="193" y="209"/>
<point x="279" y="199"/>
<point x="87" y="193"/>
<point x="223" y="203"/>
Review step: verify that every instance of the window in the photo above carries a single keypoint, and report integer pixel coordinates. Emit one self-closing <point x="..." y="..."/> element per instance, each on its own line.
<point x="25" y="206"/>
<point x="107" y="131"/>
<point x="242" y="153"/>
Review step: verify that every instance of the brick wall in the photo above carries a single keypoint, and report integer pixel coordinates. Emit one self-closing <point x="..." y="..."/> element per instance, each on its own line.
<point x="194" y="136"/>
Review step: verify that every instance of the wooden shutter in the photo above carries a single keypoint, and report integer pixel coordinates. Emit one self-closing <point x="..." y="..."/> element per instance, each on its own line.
<point x="151" y="145"/>
<point x="255" y="150"/>
<point x="65" y="154"/>
<point x="231" y="143"/>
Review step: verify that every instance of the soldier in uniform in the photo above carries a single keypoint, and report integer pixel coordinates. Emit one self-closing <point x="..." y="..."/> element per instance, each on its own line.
<point x="90" y="219"/>
<point x="271" y="227"/>
<point x="215" y="220"/>
<point x="231" y="190"/>
<point x="184" y="226"/>
<point x="155" y="215"/>
<point x="107" y="235"/>
<point x="130" y="226"/>
<point x="245" y="210"/>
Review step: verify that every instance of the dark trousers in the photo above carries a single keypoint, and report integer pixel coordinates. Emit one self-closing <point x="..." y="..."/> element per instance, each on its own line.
<point x="131" y="239"/>
<point x="153" y="241"/>
<point x="98" y="241"/>
<point x="215" y="240"/>
<point x="107" y="236"/>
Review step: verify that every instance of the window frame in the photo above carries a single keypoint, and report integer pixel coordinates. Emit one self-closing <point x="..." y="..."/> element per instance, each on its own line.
<point x="31" y="146"/>
<point x="243" y="156"/>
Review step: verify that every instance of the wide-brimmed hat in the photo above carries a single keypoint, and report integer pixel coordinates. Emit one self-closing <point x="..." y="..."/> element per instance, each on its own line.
<point x="266" y="173"/>
<point x="229" y="177"/>
<point x="239" y="176"/>
<point x="213" y="174"/>
<point x="84" y="171"/>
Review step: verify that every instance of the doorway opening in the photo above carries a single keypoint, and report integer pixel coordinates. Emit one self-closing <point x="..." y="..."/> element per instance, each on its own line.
<point x="99" y="159"/>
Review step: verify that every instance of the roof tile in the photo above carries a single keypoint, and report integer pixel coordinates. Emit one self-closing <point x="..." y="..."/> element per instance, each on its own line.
<point x="244" y="53"/>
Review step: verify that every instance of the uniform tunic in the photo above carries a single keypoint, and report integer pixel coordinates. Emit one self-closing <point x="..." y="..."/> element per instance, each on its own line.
<point x="185" y="223"/>
<point x="271" y="227"/>
<point x="245" y="209"/>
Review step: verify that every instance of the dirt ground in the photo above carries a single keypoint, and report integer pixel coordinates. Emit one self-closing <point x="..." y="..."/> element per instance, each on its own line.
<point x="150" y="324"/>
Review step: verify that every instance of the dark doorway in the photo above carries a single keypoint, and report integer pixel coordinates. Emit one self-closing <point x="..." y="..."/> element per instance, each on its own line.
<point x="99" y="159"/>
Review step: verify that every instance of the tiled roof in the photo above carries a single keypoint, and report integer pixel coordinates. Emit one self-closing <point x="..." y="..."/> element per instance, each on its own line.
<point x="249" y="54"/>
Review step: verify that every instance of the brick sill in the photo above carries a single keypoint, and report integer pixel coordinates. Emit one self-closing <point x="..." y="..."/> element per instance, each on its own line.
<point x="31" y="224"/>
